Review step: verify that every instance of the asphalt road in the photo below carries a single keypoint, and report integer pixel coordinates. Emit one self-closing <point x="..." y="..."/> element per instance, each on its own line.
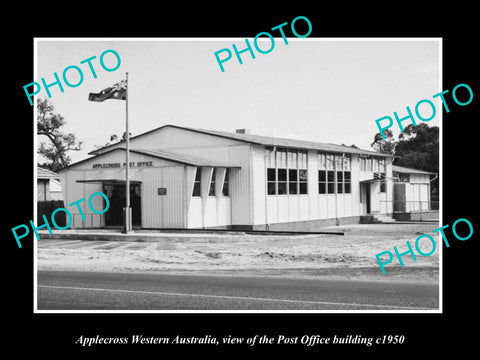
<point x="75" y="290"/>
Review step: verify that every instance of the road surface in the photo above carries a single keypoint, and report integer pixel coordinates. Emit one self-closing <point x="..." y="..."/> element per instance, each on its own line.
<point x="79" y="290"/>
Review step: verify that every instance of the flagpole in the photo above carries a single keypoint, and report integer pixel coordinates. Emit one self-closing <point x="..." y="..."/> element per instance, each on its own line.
<point x="128" y="217"/>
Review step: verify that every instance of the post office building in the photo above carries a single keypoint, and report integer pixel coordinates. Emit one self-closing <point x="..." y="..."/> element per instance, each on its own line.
<point x="188" y="178"/>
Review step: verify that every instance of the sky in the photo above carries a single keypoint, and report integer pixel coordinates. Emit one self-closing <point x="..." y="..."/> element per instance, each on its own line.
<point x="326" y="90"/>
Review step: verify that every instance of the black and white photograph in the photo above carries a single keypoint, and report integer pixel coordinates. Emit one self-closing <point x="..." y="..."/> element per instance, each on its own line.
<point x="272" y="185"/>
<point x="278" y="187"/>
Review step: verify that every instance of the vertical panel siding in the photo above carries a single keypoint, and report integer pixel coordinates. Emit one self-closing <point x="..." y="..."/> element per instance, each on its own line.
<point x="195" y="213"/>
<point x="162" y="211"/>
<point x="259" y="184"/>
<point x="210" y="212"/>
<point x="224" y="211"/>
<point x="355" y="187"/>
<point x="389" y="194"/>
<point x="313" y="196"/>
<point x="74" y="192"/>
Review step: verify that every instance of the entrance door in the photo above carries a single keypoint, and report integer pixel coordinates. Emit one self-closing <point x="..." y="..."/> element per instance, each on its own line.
<point x="116" y="196"/>
<point x="399" y="203"/>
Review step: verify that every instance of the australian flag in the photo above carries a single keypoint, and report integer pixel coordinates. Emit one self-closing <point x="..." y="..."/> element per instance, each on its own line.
<point x="115" y="92"/>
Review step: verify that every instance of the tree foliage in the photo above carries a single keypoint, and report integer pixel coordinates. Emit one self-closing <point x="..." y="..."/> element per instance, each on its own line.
<point x="417" y="147"/>
<point x="385" y="146"/>
<point x="114" y="139"/>
<point x="58" y="143"/>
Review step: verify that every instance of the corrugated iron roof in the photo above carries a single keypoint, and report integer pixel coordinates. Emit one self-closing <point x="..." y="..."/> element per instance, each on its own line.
<point x="43" y="173"/>
<point x="167" y="155"/>
<point x="405" y="170"/>
<point x="289" y="143"/>
<point x="181" y="158"/>
<point x="265" y="141"/>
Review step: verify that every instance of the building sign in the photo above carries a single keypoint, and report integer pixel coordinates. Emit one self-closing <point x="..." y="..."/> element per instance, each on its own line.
<point x="162" y="191"/>
<point x="120" y="165"/>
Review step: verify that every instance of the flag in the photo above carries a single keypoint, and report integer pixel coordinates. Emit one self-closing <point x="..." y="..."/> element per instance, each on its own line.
<point x="115" y="92"/>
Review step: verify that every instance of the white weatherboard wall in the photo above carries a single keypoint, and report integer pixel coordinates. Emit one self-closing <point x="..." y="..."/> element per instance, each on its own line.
<point x="240" y="188"/>
<point x="213" y="148"/>
<point x="355" y="195"/>
<point x="73" y="192"/>
<point x="273" y="209"/>
<point x="163" y="211"/>
<point x="157" y="211"/>
<point x="417" y="192"/>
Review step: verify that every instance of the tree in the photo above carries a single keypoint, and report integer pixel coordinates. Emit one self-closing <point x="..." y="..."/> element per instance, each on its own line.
<point x="58" y="144"/>
<point x="115" y="140"/>
<point x="385" y="146"/>
<point x="418" y="148"/>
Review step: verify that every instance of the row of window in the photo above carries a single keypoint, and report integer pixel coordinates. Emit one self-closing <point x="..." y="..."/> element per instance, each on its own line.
<point x="372" y="164"/>
<point x="294" y="181"/>
<point x="211" y="190"/>
<point x="400" y="177"/>
<point x="281" y="182"/>
<point x="327" y="182"/>
<point x="286" y="181"/>
<point x="287" y="173"/>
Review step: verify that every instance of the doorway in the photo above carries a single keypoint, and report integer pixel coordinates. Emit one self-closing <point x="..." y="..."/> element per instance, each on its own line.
<point x="367" y="197"/>
<point x="117" y="198"/>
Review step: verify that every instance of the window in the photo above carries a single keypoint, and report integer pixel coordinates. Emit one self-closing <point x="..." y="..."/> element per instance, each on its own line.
<point x="322" y="182"/>
<point x="211" y="190"/>
<point x="282" y="181"/>
<point x="303" y="181"/>
<point x="330" y="161"/>
<point x="281" y="158"/>
<point x="197" y="182"/>
<point x="369" y="164"/>
<point x="292" y="181"/>
<point x="331" y="182"/>
<point x="322" y="161"/>
<point x="403" y="177"/>
<point x="287" y="172"/>
<point x="339" y="182"/>
<point x="382" y="165"/>
<point x="347" y="162"/>
<point x="334" y="174"/>
<point x="302" y="159"/>
<point x="348" y="182"/>
<point x="226" y="183"/>
<point x="382" y="187"/>
<point x="271" y="181"/>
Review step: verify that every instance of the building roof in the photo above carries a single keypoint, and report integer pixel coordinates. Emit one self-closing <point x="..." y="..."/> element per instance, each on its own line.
<point x="43" y="173"/>
<point x="405" y="170"/>
<point x="167" y="155"/>
<point x="181" y="158"/>
<point x="265" y="141"/>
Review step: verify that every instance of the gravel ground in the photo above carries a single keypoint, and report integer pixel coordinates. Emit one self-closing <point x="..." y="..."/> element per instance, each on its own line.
<point x="328" y="256"/>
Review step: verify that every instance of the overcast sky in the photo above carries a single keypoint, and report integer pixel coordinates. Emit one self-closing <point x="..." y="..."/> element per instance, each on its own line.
<point x="326" y="90"/>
